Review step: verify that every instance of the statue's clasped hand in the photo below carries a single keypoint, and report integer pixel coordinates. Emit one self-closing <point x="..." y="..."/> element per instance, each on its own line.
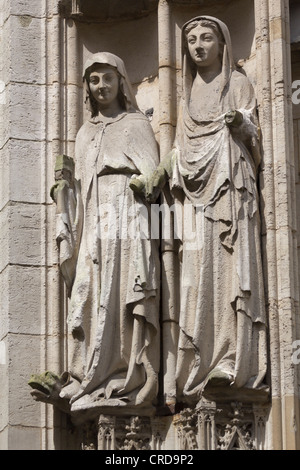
<point x="149" y="188"/>
<point x="233" y="118"/>
<point x="138" y="183"/>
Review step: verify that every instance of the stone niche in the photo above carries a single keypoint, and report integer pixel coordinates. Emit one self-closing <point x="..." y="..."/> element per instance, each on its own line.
<point x="132" y="30"/>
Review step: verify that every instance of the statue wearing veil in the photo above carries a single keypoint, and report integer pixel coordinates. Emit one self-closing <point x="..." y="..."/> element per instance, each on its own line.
<point x="111" y="266"/>
<point x="212" y="172"/>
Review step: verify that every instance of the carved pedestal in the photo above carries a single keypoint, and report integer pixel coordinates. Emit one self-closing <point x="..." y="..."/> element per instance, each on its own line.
<point x="130" y="433"/>
<point x="224" y="424"/>
<point x="211" y="425"/>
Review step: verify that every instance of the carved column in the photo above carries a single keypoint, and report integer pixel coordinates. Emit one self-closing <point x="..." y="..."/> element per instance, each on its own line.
<point x="76" y="7"/>
<point x="206" y="425"/>
<point x="106" y="433"/>
<point x="157" y="433"/>
<point x="169" y="265"/>
<point x="279" y="216"/>
<point x="260" y="419"/>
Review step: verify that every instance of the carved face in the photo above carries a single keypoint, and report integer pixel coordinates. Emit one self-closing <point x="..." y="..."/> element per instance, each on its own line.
<point x="104" y="85"/>
<point x="203" y="45"/>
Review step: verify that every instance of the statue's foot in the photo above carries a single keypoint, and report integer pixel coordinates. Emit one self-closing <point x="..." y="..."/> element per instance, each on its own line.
<point x="70" y="388"/>
<point x="219" y="378"/>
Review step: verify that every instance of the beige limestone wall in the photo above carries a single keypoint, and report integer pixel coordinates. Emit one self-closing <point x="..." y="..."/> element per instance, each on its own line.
<point x="22" y="215"/>
<point x="33" y="130"/>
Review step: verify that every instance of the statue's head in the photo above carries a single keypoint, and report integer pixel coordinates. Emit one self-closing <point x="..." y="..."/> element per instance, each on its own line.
<point x="106" y="82"/>
<point x="104" y="85"/>
<point x="204" y="42"/>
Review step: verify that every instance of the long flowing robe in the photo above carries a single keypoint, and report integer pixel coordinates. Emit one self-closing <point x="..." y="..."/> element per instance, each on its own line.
<point x="114" y="304"/>
<point x="222" y="311"/>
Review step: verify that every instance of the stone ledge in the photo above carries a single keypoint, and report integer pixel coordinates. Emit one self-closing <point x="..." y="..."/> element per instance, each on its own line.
<point x="105" y="10"/>
<point x="231" y="394"/>
<point x="112" y="407"/>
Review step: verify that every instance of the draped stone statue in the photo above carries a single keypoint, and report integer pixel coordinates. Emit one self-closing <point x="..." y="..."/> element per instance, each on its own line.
<point x="108" y="260"/>
<point x="212" y="171"/>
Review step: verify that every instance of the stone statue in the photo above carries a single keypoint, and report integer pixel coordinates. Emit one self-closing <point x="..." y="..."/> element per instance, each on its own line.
<point x="212" y="172"/>
<point x="113" y="272"/>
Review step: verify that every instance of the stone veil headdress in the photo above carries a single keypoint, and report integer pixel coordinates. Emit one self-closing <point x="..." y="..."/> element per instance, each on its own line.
<point x="227" y="63"/>
<point x="112" y="60"/>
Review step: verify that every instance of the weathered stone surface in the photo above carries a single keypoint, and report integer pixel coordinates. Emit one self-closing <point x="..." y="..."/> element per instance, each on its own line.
<point x="22" y="438"/>
<point x="119" y="137"/>
<point x="23" y="159"/>
<point x="30" y="67"/>
<point x="22" y="300"/>
<point x="204" y="355"/>
<point x="27" y="111"/>
<point x="26" y="412"/>
<point x="36" y="8"/>
<point x="22" y="223"/>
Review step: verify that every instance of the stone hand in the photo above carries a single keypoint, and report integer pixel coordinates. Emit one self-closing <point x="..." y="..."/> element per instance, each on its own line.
<point x="145" y="187"/>
<point x="159" y="177"/>
<point x="154" y="185"/>
<point x="137" y="184"/>
<point x="57" y="187"/>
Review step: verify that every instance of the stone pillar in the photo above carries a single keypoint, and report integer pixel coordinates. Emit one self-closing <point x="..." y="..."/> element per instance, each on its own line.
<point x="36" y="125"/>
<point x="106" y="433"/>
<point x="170" y="268"/>
<point x="279" y="217"/>
<point x="206" y="425"/>
<point x="260" y="421"/>
<point x="158" y="433"/>
<point x="23" y="212"/>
